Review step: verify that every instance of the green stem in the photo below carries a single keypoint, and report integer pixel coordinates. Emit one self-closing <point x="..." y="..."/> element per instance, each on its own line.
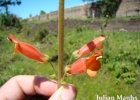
<point x="53" y="68"/>
<point x="63" y="77"/>
<point x="71" y="58"/>
<point x="60" y="40"/>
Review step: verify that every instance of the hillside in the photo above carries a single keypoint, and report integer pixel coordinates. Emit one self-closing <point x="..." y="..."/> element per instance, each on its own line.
<point x="120" y="65"/>
<point x="132" y="25"/>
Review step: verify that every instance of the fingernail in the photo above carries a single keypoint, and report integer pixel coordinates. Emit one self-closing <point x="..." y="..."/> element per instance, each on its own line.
<point x="69" y="92"/>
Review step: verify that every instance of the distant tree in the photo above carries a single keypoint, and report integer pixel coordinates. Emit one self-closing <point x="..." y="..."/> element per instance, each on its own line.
<point x="42" y="12"/>
<point x="109" y="7"/>
<point x="30" y="15"/>
<point x="88" y="0"/>
<point x="5" y="3"/>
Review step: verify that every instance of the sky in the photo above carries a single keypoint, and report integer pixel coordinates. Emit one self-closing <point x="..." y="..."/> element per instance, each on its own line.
<point x="33" y="7"/>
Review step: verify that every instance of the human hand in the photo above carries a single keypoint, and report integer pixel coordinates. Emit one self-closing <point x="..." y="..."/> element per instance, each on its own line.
<point x="27" y="87"/>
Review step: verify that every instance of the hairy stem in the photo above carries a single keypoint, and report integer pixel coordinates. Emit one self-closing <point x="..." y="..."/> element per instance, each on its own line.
<point x="60" y="40"/>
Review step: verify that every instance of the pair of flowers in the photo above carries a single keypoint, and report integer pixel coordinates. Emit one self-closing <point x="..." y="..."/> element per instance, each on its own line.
<point x="90" y="64"/>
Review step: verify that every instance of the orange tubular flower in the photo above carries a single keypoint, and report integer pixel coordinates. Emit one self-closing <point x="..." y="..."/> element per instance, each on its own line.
<point x="27" y="50"/>
<point x="96" y="43"/>
<point x="89" y="65"/>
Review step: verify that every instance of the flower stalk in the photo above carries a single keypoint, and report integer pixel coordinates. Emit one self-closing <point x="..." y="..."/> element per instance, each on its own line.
<point x="53" y="68"/>
<point x="60" y="40"/>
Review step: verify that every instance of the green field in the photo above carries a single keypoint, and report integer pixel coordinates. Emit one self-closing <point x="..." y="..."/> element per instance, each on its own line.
<point x="119" y="75"/>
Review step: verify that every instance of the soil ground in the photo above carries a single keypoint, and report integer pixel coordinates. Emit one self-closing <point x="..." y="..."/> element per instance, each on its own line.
<point x="133" y="25"/>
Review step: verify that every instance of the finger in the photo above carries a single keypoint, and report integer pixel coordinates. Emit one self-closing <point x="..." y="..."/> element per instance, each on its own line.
<point x="65" y="92"/>
<point x="20" y="86"/>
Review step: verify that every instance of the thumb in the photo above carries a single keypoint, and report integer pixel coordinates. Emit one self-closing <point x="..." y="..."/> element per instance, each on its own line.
<point x="65" y="92"/>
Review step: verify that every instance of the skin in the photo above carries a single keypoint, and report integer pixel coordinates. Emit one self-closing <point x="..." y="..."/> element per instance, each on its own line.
<point x="28" y="87"/>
